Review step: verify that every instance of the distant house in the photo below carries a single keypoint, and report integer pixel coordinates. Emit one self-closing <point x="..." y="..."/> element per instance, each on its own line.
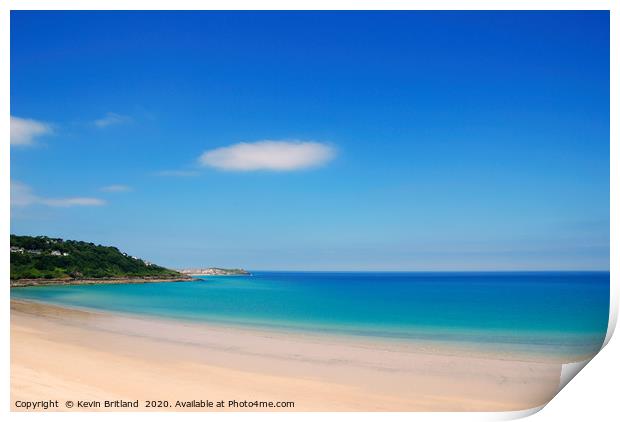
<point x="15" y="249"/>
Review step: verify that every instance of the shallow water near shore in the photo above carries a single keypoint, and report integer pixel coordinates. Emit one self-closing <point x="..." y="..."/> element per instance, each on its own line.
<point x="555" y="313"/>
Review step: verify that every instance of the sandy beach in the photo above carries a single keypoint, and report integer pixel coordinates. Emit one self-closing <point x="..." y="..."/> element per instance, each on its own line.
<point x="65" y="354"/>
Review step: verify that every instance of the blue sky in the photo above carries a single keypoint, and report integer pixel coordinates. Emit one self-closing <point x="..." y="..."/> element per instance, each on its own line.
<point x="316" y="141"/>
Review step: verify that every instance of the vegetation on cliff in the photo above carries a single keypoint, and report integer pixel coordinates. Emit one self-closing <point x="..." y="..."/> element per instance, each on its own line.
<point x="42" y="257"/>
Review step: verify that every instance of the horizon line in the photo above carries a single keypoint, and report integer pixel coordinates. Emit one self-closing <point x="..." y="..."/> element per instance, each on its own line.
<point x="420" y="271"/>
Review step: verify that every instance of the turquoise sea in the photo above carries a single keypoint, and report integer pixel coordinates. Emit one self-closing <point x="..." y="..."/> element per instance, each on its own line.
<point x="565" y="313"/>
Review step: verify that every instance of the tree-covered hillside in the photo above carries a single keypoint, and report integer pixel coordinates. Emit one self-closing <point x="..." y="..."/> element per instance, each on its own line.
<point x="44" y="257"/>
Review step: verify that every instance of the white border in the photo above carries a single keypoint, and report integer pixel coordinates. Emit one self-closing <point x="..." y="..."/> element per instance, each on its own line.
<point x="594" y="395"/>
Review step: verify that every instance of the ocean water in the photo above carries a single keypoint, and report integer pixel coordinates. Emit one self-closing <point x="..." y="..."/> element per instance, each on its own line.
<point x="562" y="313"/>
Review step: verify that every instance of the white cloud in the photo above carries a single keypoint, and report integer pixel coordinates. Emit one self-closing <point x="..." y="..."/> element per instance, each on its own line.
<point x="116" y="188"/>
<point x="111" y="119"/>
<point x="268" y="155"/>
<point x="72" y="202"/>
<point x="23" y="196"/>
<point x="24" y="131"/>
<point x="177" y="173"/>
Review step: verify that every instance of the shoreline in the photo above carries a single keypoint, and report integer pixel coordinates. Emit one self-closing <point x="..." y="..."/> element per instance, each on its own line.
<point x="29" y="282"/>
<point x="498" y="350"/>
<point x="93" y="355"/>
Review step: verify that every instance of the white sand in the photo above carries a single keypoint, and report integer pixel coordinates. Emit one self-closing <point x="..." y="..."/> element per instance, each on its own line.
<point x="63" y="354"/>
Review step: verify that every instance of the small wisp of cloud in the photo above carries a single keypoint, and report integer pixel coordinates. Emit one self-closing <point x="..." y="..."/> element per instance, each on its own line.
<point x="268" y="155"/>
<point x="116" y="188"/>
<point x="25" y="131"/>
<point x="23" y="196"/>
<point x="72" y="202"/>
<point x="111" y="119"/>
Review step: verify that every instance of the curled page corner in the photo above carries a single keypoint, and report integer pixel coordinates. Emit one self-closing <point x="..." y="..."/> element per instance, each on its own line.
<point x="613" y="320"/>
<point x="518" y="414"/>
<point x="569" y="370"/>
